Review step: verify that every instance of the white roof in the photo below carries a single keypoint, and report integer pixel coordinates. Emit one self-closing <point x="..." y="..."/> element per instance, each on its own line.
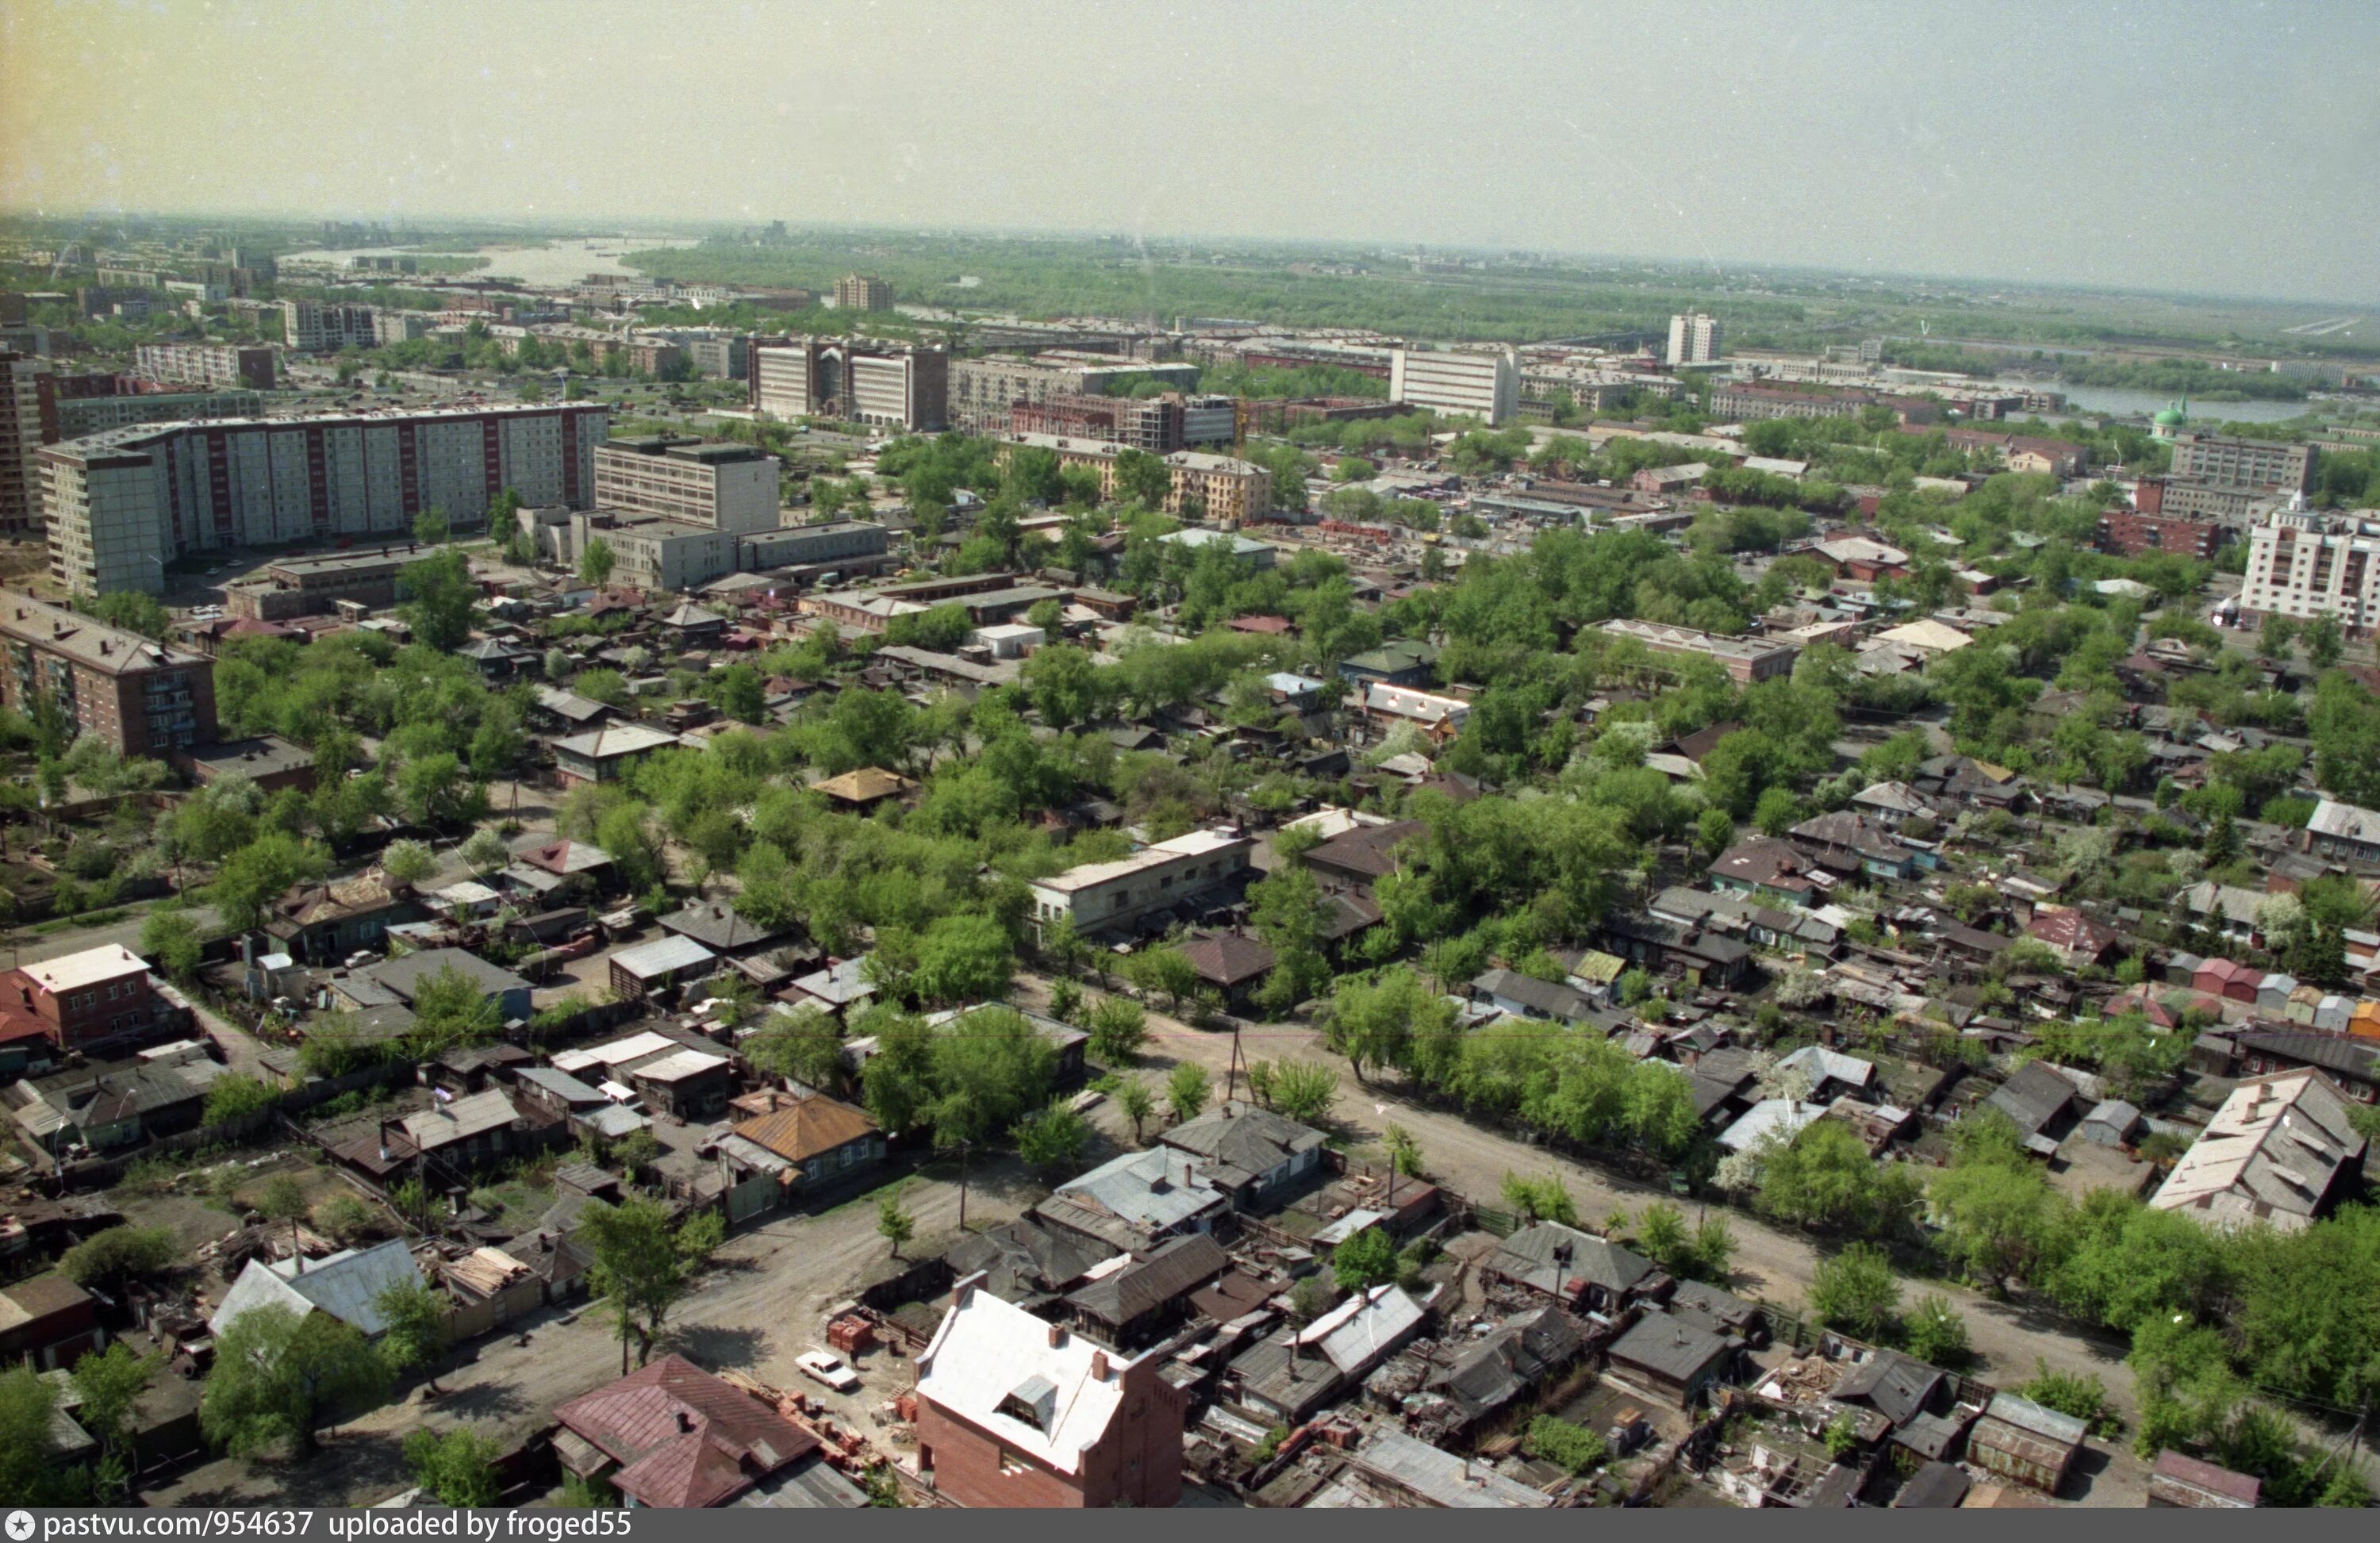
<point x="1332" y="820"/>
<point x="1822" y="1064"/>
<point x="685" y="1064"/>
<point x="346" y="1285"/>
<point x="616" y="740"/>
<point x="447" y="1122"/>
<point x="987" y="1351"/>
<point x="1363" y="1329"/>
<point x="619" y="1052"/>
<point x="1426" y="707"/>
<point x="1193" y="844"/>
<point x="72" y="972"/>
<point x="1781" y="1115"/>
<point x="1928" y="636"/>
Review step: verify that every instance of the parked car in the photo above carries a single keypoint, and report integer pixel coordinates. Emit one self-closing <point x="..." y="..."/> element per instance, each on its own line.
<point x="821" y="1367"/>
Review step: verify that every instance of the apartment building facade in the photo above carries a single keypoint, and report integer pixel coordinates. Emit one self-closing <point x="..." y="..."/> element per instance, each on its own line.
<point x="1745" y="659"/>
<point x="215" y="366"/>
<point x="1483" y="384"/>
<point x="28" y="419"/>
<point x="2130" y="532"/>
<point x="1096" y="896"/>
<point x="2261" y="464"/>
<point x="1751" y="404"/>
<point x="721" y="485"/>
<point x="862" y="292"/>
<point x="126" y="503"/>
<point x="2302" y="564"/>
<point x="1223" y="489"/>
<point x="139" y="697"/>
<point x="884" y="384"/>
<point x="319" y="326"/>
<point x="1694" y="338"/>
<point x="81" y="416"/>
<point x="1153" y="423"/>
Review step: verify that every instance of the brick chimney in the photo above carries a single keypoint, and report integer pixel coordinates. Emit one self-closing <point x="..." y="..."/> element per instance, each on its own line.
<point x="1098" y="1366"/>
<point x="1057" y="1335"/>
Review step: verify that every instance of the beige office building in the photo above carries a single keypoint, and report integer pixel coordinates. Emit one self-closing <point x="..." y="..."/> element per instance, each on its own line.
<point x="1485" y="384"/>
<point x="722" y="486"/>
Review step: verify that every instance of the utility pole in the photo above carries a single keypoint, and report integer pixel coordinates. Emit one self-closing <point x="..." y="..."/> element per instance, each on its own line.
<point x="1231" y="1074"/>
<point x="964" y="1145"/>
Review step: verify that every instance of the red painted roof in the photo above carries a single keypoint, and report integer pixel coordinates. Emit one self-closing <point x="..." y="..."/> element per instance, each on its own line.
<point x="683" y="1438"/>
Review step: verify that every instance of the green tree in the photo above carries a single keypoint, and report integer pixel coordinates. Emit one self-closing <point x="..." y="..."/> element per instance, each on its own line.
<point x="415" y="1315"/>
<point x="805" y="1045"/>
<point x="110" y="1383"/>
<point x="1823" y="1179"/>
<point x="1162" y="967"/>
<point x="639" y="1271"/>
<point x="260" y="873"/>
<point x="893" y="1223"/>
<point x="1118" y="1027"/>
<point x="113" y="1260"/>
<point x="1404" y="1152"/>
<point x="1053" y="1137"/>
<point x="1546" y="1199"/>
<point x="459" y="1467"/>
<point x="284" y="1199"/>
<point x="1555" y="1440"/>
<point x="1137" y="1103"/>
<point x="174" y="942"/>
<point x="1856" y="1290"/>
<point x="2000" y="1219"/>
<point x="1304" y="1090"/>
<point x="1143" y="478"/>
<point x="2324" y="644"/>
<point x="1187" y="1090"/>
<point x="28" y="1469"/>
<point x="440" y="610"/>
<point x="274" y="1372"/>
<point x="483" y="851"/>
<point x="1365" y="1259"/>
<point x="1661" y="1237"/>
<point x="596" y="563"/>
<point x="964" y="958"/>
<point x="408" y="861"/>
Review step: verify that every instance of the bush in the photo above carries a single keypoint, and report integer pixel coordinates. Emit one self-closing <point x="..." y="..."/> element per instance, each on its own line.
<point x="1856" y="1290"/>
<point x="120" y="1254"/>
<point x="1563" y="1444"/>
<point x="2084" y="1397"/>
<point x="235" y="1096"/>
<point x="1934" y="1333"/>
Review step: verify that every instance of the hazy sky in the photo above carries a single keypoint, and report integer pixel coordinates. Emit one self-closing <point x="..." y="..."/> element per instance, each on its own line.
<point x="2211" y="145"/>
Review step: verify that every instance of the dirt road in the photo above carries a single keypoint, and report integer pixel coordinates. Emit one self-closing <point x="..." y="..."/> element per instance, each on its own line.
<point x="759" y="1306"/>
<point x="1771" y="1265"/>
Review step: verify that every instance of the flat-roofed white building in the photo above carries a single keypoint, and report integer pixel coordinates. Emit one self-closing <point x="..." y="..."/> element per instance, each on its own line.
<point x="1098" y="896"/>
<point x="1484" y="383"/>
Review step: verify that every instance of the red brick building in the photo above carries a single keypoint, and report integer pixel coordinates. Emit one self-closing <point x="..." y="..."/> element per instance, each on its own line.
<point x="99" y="996"/>
<point x="1015" y="1413"/>
<point x="139" y="697"/>
<point x="2131" y="533"/>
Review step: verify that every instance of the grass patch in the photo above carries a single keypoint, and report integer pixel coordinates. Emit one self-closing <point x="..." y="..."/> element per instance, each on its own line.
<point x="56" y="924"/>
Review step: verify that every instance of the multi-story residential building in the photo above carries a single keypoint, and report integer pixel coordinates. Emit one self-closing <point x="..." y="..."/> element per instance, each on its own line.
<point x="862" y="292"/>
<point x="28" y="419"/>
<point x="88" y="1001"/>
<point x="2308" y="565"/>
<point x="1694" y="339"/>
<point x="2266" y="465"/>
<point x="1748" y="403"/>
<point x="81" y="416"/>
<point x="137" y="695"/>
<point x="315" y="326"/>
<point x="1223" y="489"/>
<point x="124" y="503"/>
<point x="983" y="390"/>
<point x="1098" y="896"/>
<point x="859" y="380"/>
<point x="401" y="326"/>
<point x="1745" y="659"/>
<point x="720" y="485"/>
<point x="2176" y="499"/>
<point x="216" y="366"/>
<point x="1151" y="423"/>
<point x="1485" y="384"/>
<point x="2130" y="532"/>
<point x="719" y="359"/>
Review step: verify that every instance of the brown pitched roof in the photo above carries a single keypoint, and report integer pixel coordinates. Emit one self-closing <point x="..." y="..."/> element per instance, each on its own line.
<point x="1367" y="849"/>
<point x="1227" y="959"/>
<point x="800" y="1131"/>
<point x="865" y="786"/>
<point x="685" y="1438"/>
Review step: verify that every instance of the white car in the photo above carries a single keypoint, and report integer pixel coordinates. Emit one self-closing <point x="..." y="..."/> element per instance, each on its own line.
<point x="820" y="1366"/>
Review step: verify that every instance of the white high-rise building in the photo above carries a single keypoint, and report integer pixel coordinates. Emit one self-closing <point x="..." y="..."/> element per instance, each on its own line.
<point x="2302" y="564"/>
<point x="721" y="485"/>
<point x="1694" y="339"/>
<point x="1483" y="384"/>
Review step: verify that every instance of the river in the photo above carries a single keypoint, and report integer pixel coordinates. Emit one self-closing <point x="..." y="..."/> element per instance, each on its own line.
<point x="551" y="265"/>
